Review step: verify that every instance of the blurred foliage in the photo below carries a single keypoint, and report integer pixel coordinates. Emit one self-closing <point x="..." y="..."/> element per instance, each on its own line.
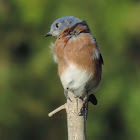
<point x="30" y="87"/>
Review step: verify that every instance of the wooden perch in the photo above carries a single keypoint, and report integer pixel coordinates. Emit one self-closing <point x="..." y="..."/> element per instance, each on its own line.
<point x="76" y="117"/>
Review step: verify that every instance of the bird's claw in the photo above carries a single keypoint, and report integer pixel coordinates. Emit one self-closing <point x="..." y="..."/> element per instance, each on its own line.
<point x="66" y="94"/>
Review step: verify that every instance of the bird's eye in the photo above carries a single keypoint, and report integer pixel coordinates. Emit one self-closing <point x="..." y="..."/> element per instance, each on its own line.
<point x="57" y="25"/>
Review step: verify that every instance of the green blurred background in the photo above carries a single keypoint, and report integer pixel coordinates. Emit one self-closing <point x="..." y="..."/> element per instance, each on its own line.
<point x="29" y="84"/>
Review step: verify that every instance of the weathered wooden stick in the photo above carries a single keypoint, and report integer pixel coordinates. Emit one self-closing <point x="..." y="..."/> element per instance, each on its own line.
<point x="76" y="117"/>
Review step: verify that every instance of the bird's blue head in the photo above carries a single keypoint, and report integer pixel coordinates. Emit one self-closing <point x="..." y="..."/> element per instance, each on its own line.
<point x="61" y="24"/>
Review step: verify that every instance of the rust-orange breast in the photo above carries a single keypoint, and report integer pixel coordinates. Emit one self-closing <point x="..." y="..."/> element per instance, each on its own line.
<point x="78" y="50"/>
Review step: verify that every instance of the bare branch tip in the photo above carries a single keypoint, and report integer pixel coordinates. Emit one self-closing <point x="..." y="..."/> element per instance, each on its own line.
<point x="57" y="110"/>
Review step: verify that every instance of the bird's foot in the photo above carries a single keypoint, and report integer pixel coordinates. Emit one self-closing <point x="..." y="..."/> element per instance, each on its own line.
<point x="82" y="108"/>
<point x="66" y="94"/>
<point x="85" y="107"/>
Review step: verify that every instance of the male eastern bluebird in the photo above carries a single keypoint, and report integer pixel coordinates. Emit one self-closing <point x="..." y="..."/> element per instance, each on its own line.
<point x="78" y="56"/>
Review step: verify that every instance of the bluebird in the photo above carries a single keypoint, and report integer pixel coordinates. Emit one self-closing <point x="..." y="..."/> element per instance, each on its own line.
<point x="78" y="57"/>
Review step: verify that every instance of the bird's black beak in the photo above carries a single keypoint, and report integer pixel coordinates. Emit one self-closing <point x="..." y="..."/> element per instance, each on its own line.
<point x="48" y="34"/>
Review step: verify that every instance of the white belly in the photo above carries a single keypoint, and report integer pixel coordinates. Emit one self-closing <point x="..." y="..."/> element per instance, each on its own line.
<point x="76" y="79"/>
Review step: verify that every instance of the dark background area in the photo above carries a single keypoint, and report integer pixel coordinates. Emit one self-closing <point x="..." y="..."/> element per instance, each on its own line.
<point x="29" y="84"/>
